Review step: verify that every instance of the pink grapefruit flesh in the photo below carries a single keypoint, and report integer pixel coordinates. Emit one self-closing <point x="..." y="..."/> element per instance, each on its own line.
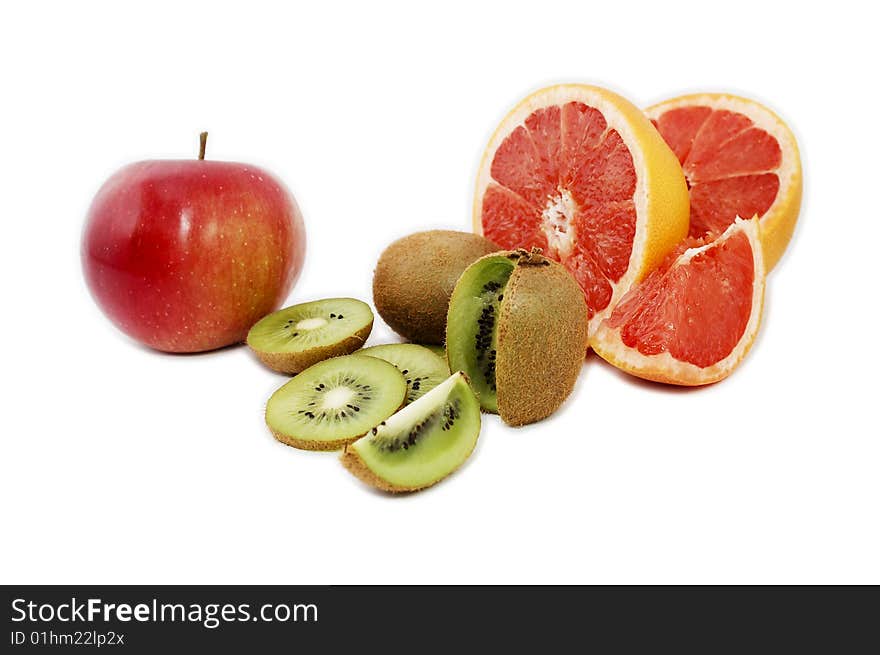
<point x="697" y="312"/>
<point x="564" y="183"/>
<point x="694" y="318"/>
<point x="730" y="164"/>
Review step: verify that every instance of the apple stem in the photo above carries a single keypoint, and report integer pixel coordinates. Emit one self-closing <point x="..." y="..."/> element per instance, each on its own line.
<point x="203" y="141"/>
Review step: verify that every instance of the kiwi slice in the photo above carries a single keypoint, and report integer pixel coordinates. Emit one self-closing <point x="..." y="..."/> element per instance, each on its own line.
<point x="438" y="350"/>
<point x="422" y="443"/>
<point x="477" y="300"/>
<point x="422" y="369"/>
<point x="334" y="402"/>
<point x="292" y="339"/>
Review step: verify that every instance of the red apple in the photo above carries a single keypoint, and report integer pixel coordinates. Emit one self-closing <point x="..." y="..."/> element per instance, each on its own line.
<point x="186" y="256"/>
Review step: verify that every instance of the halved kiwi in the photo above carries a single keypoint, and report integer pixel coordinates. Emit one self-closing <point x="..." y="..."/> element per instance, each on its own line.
<point x="517" y="326"/>
<point x="422" y="443"/>
<point x="474" y="332"/>
<point x="292" y="339"/>
<point x="334" y="402"/>
<point x="422" y="369"/>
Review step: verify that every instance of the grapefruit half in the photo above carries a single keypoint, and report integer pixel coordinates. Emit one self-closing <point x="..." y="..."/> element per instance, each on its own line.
<point x="739" y="159"/>
<point x="693" y="319"/>
<point x="580" y="173"/>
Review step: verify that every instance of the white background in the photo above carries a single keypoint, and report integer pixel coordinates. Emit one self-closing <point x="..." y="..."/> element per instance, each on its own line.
<point x="121" y="465"/>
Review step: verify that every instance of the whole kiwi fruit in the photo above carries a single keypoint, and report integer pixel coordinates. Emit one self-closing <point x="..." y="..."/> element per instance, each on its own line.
<point x="517" y="327"/>
<point x="415" y="277"/>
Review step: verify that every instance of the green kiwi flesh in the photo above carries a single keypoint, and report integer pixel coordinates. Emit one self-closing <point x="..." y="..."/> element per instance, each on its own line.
<point x="422" y="443"/>
<point x="438" y="350"/>
<point x="422" y="369"/>
<point x="292" y="339"/>
<point x="472" y="326"/>
<point x="334" y="402"/>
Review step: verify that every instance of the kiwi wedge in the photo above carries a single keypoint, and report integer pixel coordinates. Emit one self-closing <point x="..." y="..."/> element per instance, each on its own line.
<point x="292" y="339"/>
<point x="517" y="326"/>
<point x="334" y="402"/>
<point x="422" y="443"/>
<point x="422" y="369"/>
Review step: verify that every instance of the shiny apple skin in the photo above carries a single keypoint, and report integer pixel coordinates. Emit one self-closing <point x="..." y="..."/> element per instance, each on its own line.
<point x="185" y="256"/>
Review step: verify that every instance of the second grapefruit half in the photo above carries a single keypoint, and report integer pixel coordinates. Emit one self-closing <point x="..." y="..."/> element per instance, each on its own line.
<point x="581" y="173"/>
<point x="740" y="159"/>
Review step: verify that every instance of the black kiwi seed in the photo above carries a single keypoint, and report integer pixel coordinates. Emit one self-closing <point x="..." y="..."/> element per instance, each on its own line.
<point x="483" y="337"/>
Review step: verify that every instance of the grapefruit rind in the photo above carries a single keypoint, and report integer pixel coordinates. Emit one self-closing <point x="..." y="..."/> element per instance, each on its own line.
<point x="778" y="222"/>
<point x="665" y="368"/>
<point x="661" y="195"/>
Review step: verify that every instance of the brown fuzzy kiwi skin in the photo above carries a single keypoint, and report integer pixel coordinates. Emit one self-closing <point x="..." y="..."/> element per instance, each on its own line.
<point x="415" y="276"/>
<point x="312" y="444"/>
<point x="293" y="363"/>
<point x="353" y="462"/>
<point x="542" y="339"/>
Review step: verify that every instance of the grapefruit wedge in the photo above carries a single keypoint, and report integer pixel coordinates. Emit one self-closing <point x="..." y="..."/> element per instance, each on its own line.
<point x="580" y="173"/>
<point x="739" y="159"/>
<point x="693" y="319"/>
